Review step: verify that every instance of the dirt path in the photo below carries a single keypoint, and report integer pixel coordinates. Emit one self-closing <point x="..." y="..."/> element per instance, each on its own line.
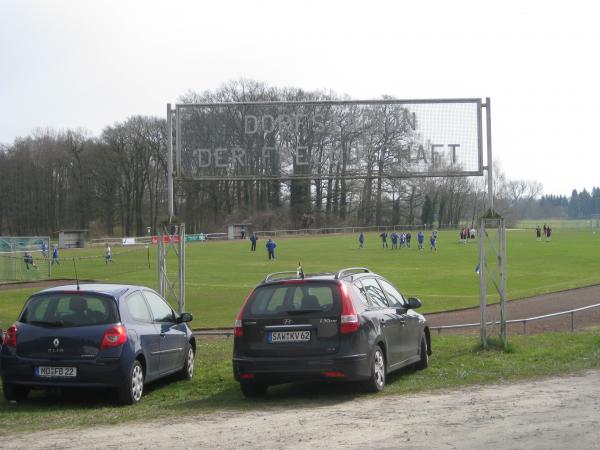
<point x="534" y="306"/>
<point x="551" y="413"/>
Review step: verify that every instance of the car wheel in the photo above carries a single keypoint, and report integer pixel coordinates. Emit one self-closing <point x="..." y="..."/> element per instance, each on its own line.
<point x="187" y="373"/>
<point x="424" y="361"/>
<point x="131" y="392"/>
<point x="377" y="381"/>
<point x="253" y="390"/>
<point x="14" y="392"/>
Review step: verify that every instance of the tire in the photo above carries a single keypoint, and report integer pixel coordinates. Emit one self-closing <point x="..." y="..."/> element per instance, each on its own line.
<point x="424" y="361"/>
<point x="253" y="390"/>
<point x="187" y="372"/>
<point x="377" y="381"/>
<point x="131" y="392"/>
<point x="15" y="392"/>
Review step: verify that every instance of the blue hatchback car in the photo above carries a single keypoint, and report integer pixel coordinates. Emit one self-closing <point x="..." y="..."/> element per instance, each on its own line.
<point x="95" y="336"/>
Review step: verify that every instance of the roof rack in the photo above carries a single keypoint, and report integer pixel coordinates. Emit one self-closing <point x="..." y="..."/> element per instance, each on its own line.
<point x="271" y="276"/>
<point x="351" y="271"/>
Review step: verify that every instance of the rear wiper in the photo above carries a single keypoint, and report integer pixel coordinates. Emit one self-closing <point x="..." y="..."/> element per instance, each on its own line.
<point x="58" y="323"/>
<point x="303" y="311"/>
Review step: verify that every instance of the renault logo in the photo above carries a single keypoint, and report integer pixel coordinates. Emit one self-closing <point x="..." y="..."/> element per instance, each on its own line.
<point x="56" y="342"/>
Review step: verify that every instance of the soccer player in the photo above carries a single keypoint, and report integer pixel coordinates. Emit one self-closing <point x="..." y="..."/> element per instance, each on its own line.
<point x="361" y="240"/>
<point x="28" y="260"/>
<point x="55" y="255"/>
<point x="402" y="240"/>
<point x="253" y="240"/>
<point x="538" y="233"/>
<point x="384" y="236"/>
<point x="107" y="254"/>
<point x="271" y="248"/>
<point x="421" y="239"/>
<point x="44" y="254"/>
<point x="394" y="237"/>
<point x="408" y="237"/>
<point x="432" y="241"/>
<point x="548" y="234"/>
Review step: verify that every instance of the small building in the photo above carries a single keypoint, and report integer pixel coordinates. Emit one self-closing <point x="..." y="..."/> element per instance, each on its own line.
<point x="235" y="230"/>
<point x="71" y="238"/>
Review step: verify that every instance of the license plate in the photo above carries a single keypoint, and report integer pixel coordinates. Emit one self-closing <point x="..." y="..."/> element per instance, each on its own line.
<point x="278" y="337"/>
<point x="56" y="372"/>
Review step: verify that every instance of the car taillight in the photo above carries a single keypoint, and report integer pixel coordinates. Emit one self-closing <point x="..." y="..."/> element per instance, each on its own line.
<point x="113" y="337"/>
<point x="238" y="327"/>
<point x="10" y="337"/>
<point x="349" y="319"/>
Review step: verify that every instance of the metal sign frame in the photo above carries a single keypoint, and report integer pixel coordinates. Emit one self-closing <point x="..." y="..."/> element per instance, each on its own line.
<point x="174" y="115"/>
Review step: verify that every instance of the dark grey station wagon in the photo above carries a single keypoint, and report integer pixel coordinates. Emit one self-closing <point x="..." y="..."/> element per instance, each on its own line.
<point x="352" y="325"/>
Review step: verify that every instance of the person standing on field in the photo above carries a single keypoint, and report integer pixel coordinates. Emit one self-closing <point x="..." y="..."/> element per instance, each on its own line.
<point x="384" y="236"/>
<point x="421" y="239"/>
<point x="361" y="240"/>
<point x="548" y="234"/>
<point x="107" y="254"/>
<point x="44" y="253"/>
<point x="408" y="237"/>
<point x="253" y="240"/>
<point x="271" y="248"/>
<point x="28" y="260"/>
<point x="432" y="241"/>
<point x="394" y="237"/>
<point x="538" y="233"/>
<point x="55" y="255"/>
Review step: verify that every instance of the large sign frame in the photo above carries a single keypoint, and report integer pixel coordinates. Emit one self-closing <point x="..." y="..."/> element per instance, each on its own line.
<point x="239" y="140"/>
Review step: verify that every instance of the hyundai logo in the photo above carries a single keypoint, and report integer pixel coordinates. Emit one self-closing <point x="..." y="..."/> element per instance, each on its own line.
<point x="287" y="321"/>
<point x="56" y="342"/>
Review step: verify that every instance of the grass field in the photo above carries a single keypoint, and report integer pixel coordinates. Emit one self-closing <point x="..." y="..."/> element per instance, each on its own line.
<point x="456" y="361"/>
<point x="220" y="274"/>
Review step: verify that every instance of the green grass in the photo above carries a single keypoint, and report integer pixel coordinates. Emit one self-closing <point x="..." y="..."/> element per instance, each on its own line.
<point x="457" y="361"/>
<point x="221" y="274"/>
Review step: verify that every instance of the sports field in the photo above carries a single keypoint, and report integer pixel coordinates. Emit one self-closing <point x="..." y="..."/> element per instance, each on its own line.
<point x="220" y="274"/>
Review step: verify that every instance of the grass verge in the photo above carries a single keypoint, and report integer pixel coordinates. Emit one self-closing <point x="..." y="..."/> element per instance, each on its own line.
<point x="457" y="361"/>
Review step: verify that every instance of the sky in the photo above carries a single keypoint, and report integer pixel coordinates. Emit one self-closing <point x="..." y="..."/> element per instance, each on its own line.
<point x="78" y="63"/>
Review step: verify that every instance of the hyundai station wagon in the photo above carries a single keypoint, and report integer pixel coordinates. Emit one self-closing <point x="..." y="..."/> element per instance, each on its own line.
<point x="353" y="325"/>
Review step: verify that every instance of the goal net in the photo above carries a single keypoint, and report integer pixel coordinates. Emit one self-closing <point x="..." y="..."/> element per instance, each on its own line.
<point x="24" y="258"/>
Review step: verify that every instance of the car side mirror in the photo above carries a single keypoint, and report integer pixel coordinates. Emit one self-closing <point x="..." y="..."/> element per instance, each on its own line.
<point x="185" y="317"/>
<point x="414" y="303"/>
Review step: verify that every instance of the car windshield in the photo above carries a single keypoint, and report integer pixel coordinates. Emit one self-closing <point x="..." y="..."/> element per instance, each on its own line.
<point x="295" y="298"/>
<point x="69" y="310"/>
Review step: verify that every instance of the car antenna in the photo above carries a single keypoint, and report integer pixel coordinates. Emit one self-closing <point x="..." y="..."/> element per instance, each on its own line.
<point x="76" y="276"/>
<point x="300" y="271"/>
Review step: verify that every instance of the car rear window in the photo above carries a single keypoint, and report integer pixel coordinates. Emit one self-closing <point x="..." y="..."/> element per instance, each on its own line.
<point x="295" y="298"/>
<point x="70" y="310"/>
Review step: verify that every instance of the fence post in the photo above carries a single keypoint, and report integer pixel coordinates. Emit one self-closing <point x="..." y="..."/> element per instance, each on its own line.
<point x="572" y="321"/>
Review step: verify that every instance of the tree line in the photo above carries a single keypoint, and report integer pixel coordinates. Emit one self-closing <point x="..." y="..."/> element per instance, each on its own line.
<point x="114" y="184"/>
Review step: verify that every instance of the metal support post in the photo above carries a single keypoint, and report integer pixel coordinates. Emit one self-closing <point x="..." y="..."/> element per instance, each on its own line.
<point x="181" y="300"/>
<point x="490" y="165"/>
<point x="170" y="160"/>
<point x="482" y="282"/>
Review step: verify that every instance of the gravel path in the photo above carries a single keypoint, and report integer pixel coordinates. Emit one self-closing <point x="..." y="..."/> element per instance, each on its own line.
<point x="552" y="413"/>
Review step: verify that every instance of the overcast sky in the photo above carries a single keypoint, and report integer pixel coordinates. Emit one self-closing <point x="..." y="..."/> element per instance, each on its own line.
<point x="76" y="63"/>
